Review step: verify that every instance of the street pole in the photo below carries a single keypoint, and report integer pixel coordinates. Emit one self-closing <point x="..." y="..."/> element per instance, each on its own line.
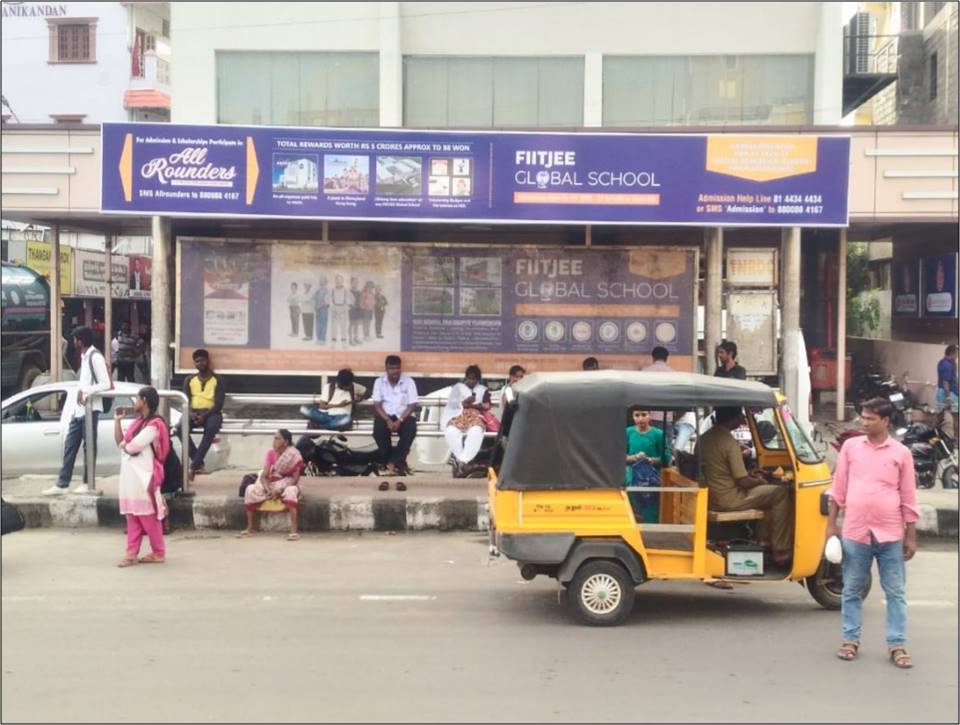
<point x="842" y="325"/>
<point x="713" y="304"/>
<point x="791" y="317"/>
<point x="160" y="305"/>
<point x="108" y="300"/>
<point x="56" y="319"/>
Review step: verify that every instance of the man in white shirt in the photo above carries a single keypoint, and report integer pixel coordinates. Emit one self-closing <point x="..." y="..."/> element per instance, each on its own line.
<point x="94" y="376"/>
<point x="336" y="412"/>
<point x="394" y="400"/>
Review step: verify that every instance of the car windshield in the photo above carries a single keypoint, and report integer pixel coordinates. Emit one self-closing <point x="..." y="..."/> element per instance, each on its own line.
<point x="801" y="444"/>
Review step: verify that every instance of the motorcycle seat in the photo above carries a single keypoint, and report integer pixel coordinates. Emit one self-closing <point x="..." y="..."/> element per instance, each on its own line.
<point x="370" y="448"/>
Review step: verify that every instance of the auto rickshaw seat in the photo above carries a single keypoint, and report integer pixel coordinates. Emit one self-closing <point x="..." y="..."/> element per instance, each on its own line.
<point x="720" y="517"/>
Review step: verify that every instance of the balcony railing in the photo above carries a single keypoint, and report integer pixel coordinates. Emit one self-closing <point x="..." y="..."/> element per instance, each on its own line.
<point x="154" y="73"/>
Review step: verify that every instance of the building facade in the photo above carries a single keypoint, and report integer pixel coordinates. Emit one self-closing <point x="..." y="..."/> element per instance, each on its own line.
<point x="86" y="62"/>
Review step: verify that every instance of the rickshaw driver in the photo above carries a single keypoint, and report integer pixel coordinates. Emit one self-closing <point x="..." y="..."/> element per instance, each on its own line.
<point x="732" y="488"/>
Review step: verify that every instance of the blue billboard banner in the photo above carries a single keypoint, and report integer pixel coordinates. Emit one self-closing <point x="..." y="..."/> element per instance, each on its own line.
<point x="454" y="176"/>
<point x="940" y="286"/>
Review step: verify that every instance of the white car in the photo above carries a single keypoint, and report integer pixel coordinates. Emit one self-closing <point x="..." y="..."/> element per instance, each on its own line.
<point x="34" y="423"/>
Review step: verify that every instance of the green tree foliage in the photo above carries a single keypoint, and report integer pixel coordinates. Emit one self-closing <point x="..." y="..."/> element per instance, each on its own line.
<point x="863" y="311"/>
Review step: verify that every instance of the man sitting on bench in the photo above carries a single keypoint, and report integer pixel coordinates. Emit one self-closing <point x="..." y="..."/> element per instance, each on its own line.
<point x="206" y="392"/>
<point x="732" y="488"/>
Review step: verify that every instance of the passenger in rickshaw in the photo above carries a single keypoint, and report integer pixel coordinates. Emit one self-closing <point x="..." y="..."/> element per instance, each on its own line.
<point x="732" y="488"/>
<point x="647" y="454"/>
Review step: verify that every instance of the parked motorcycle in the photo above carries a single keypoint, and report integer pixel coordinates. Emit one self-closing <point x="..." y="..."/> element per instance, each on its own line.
<point x="934" y="454"/>
<point x="332" y="456"/>
<point x="874" y="385"/>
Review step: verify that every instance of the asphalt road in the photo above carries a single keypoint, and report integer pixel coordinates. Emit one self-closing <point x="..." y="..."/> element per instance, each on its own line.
<point x="424" y="628"/>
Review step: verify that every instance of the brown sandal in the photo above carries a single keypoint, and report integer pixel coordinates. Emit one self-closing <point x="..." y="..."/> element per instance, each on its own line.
<point x="848" y="650"/>
<point x="128" y="561"/>
<point x="900" y="658"/>
<point x="151" y="559"/>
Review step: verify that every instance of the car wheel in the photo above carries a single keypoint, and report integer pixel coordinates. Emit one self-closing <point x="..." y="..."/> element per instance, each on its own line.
<point x="826" y="586"/>
<point x="601" y="594"/>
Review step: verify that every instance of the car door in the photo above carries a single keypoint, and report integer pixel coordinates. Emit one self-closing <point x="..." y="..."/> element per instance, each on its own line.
<point x="31" y="433"/>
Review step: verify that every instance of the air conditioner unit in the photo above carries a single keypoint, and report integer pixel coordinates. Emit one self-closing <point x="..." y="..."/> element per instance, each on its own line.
<point x="860" y="32"/>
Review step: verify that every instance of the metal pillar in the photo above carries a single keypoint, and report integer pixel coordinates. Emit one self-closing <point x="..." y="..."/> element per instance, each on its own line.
<point x="108" y="298"/>
<point x="56" y="317"/>
<point x="160" y="306"/>
<point x="790" y="302"/>
<point x="842" y="325"/>
<point x="713" y="304"/>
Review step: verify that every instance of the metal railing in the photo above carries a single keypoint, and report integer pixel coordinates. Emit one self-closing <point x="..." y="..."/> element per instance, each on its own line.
<point x="89" y="457"/>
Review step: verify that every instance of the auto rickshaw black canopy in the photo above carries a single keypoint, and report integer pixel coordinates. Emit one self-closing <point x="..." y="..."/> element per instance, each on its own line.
<point x="567" y="430"/>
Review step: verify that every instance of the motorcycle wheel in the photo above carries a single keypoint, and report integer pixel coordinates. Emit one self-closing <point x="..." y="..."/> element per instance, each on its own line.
<point x="948" y="479"/>
<point x="926" y="480"/>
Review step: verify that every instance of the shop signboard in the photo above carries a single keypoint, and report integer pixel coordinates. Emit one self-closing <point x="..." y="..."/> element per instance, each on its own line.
<point x="39" y="255"/>
<point x="260" y="307"/>
<point x="748" y="267"/>
<point x="940" y="285"/>
<point x="906" y="288"/>
<point x="477" y="176"/>
<point x="90" y="274"/>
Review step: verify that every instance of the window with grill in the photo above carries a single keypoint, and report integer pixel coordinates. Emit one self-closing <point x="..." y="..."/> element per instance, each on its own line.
<point x="72" y="40"/>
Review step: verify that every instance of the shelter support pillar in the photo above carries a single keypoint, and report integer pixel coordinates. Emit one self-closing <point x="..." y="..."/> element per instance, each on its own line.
<point x="713" y="304"/>
<point x="790" y="366"/>
<point x="161" y="320"/>
<point x="842" y="325"/>
<point x="108" y="297"/>
<point x="56" y="318"/>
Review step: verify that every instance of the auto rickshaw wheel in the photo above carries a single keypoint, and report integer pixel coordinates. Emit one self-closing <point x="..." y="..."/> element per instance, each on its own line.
<point x="601" y="593"/>
<point x="826" y="586"/>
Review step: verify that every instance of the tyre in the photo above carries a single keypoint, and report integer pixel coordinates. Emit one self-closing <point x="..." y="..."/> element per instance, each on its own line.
<point x="948" y="479"/>
<point x="826" y="586"/>
<point x="601" y="594"/>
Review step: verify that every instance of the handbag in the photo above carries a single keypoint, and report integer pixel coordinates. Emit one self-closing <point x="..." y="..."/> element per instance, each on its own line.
<point x="490" y="422"/>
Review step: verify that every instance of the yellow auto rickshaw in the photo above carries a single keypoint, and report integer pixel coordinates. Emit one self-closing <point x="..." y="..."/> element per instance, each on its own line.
<point x="560" y="505"/>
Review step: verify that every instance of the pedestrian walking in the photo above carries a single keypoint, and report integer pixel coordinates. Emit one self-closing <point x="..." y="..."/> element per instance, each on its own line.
<point x="874" y="486"/>
<point x="94" y="377"/>
<point x="143" y="449"/>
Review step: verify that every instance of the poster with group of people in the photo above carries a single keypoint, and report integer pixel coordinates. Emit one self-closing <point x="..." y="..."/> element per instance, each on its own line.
<point x="267" y="306"/>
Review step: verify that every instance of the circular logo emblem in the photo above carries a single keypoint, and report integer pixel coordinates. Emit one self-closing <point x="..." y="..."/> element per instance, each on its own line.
<point x="527" y="330"/>
<point x="582" y="331"/>
<point x="666" y="332"/>
<point x="636" y="332"/>
<point x="609" y="331"/>
<point x="554" y="331"/>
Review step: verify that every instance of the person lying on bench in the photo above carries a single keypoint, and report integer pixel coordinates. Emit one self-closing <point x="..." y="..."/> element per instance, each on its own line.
<point x="336" y="412"/>
<point x="732" y="488"/>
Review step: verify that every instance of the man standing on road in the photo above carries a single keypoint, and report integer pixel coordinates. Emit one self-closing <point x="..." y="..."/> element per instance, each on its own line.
<point x="875" y="487"/>
<point x="206" y="392"/>
<point x="947" y="384"/>
<point x="394" y="400"/>
<point x="94" y="377"/>
<point x="727" y="365"/>
<point x="127" y="350"/>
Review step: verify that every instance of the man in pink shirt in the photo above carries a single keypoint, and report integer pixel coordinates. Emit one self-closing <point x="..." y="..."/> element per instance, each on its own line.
<point x="875" y="487"/>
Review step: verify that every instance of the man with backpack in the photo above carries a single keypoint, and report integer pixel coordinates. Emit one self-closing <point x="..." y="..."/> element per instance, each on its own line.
<point x="336" y="411"/>
<point x="94" y="377"/>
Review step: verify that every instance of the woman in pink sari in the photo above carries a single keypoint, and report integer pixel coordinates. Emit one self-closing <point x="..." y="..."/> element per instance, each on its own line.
<point x="279" y="480"/>
<point x="143" y="449"/>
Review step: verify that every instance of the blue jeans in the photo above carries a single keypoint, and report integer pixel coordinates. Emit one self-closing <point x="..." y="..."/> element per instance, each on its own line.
<point x="75" y="436"/>
<point x="893" y="577"/>
<point x="323" y="418"/>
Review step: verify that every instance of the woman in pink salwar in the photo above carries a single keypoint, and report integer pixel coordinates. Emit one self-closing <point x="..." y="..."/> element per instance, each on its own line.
<point x="279" y="480"/>
<point x="143" y="449"/>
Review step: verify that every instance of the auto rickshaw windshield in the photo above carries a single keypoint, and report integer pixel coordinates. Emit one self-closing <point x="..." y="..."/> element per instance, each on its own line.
<point x="802" y="445"/>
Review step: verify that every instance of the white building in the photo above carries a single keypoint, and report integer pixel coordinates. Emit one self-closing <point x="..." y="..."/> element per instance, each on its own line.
<point x="86" y="62"/>
<point x="504" y="64"/>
